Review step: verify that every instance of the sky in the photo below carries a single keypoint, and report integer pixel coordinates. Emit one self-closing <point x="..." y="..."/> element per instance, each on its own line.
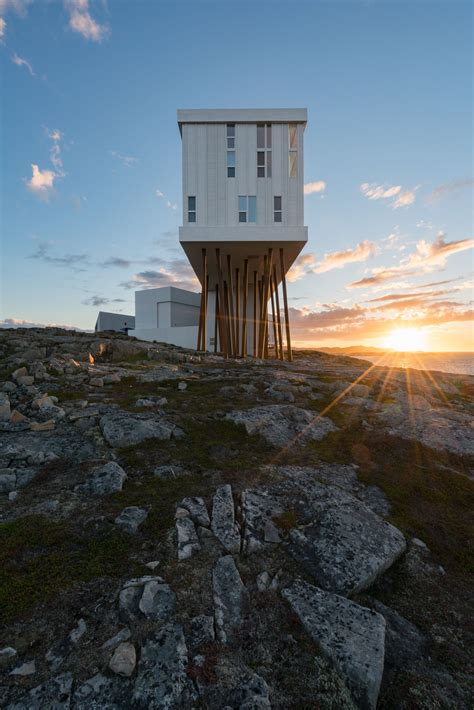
<point x="91" y="155"/>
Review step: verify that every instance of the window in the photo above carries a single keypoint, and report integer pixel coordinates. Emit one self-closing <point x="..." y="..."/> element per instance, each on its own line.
<point x="292" y="149"/>
<point x="231" y="150"/>
<point x="247" y="208"/>
<point x="191" y="209"/>
<point x="264" y="150"/>
<point x="277" y="208"/>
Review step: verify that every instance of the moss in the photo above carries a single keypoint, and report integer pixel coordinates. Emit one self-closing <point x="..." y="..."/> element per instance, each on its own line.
<point x="40" y="557"/>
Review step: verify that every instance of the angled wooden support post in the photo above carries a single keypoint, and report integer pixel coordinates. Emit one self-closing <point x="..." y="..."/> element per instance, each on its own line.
<point x="222" y="318"/>
<point x="277" y="303"/>
<point x="267" y="298"/>
<point x="285" y="306"/>
<point x="255" y="291"/>
<point x="275" y="335"/>
<point x="245" y="287"/>
<point x="237" y="311"/>
<point x="261" y="326"/>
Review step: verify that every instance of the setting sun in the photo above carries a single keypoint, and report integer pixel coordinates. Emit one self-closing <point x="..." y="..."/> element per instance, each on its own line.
<point x="405" y="340"/>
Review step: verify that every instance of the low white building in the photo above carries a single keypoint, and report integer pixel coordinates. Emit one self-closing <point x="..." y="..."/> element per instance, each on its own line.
<point x="167" y="315"/>
<point x="119" y="322"/>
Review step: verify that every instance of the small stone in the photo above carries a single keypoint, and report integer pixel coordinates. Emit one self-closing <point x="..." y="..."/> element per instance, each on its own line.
<point x="181" y="513"/>
<point x="28" y="668"/>
<point x="7" y="481"/>
<point x="182" y="386"/>
<point x="7" y="656"/>
<point x="197" y="509"/>
<point x="21" y="372"/>
<point x="43" y="426"/>
<point x="123" y="635"/>
<point x="78" y="632"/>
<point x="131" y="518"/>
<point x="104" y="480"/>
<point x="5" y="413"/>
<point x="188" y="543"/>
<point x="124" y="659"/>
<point x="96" y="382"/>
<point x="263" y="581"/>
<point x="17" y="417"/>
<point x="25" y="380"/>
<point x="9" y="387"/>
<point x="12" y="496"/>
<point x="271" y="533"/>
<point x="111" y="379"/>
<point x="158" y="601"/>
<point x="44" y="401"/>
<point x="152" y="565"/>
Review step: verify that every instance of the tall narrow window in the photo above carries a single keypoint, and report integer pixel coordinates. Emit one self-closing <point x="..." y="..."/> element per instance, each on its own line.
<point x="231" y="150"/>
<point x="264" y="150"/>
<point x="277" y="208"/>
<point x="191" y="208"/>
<point x="247" y="208"/>
<point x="292" y="149"/>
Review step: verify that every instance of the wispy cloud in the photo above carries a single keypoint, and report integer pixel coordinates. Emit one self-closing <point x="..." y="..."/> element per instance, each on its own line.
<point x="21" y="62"/>
<point x="448" y="188"/>
<point x="426" y="257"/>
<point x="3" y="28"/>
<point x="17" y="6"/>
<point x="82" y="22"/>
<point x="308" y="263"/>
<point x="127" y="160"/>
<point x="312" y="187"/>
<point x="101" y="301"/>
<point x="403" y="197"/>
<point x="173" y="272"/>
<point x="168" y="203"/>
<point x="75" y="262"/>
<point x="41" y="182"/>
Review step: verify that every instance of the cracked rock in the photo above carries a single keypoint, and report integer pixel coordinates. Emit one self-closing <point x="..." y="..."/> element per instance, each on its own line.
<point x="223" y="519"/>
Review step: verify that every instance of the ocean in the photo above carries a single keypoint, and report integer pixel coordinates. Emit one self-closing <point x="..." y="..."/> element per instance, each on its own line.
<point x="457" y="363"/>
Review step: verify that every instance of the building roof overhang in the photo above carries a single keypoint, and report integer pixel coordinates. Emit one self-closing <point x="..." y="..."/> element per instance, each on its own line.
<point x="242" y="115"/>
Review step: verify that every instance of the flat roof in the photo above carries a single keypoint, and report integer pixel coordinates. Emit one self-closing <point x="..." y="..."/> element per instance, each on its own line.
<point x="242" y="115"/>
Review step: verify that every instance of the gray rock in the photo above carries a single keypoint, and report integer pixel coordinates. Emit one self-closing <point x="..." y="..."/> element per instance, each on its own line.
<point x="78" y="632"/>
<point x="168" y="472"/>
<point x="346" y="546"/>
<point x="157" y="602"/>
<point x="120" y="429"/>
<point x="54" y="694"/>
<point x="351" y="636"/>
<point x="252" y="694"/>
<point x="282" y="425"/>
<point x="404" y="642"/>
<point x="8" y="656"/>
<point x="104" y="480"/>
<point x="223" y="519"/>
<point x="263" y="581"/>
<point x="124" y="659"/>
<point x="25" y="380"/>
<point x="162" y="682"/>
<point x="279" y="395"/>
<point x="131" y="518"/>
<point x="96" y="693"/>
<point x="197" y="509"/>
<point x="188" y="542"/>
<point x="201" y="631"/>
<point x="7" y="482"/>
<point x="229" y="594"/>
<point x="258" y="508"/>
<point x="28" y="668"/>
<point x="122" y="635"/>
<point x="5" y="412"/>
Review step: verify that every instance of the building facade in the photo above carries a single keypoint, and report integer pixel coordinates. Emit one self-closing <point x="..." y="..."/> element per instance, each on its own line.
<point x="243" y="221"/>
<point x="117" y="322"/>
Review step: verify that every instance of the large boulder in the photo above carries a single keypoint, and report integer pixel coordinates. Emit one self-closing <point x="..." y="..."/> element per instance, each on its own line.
<point x="282" y="424"/>
<point x="351" y="636"/>
<point x="121" y="429"/>
<point x="104" y="480"/>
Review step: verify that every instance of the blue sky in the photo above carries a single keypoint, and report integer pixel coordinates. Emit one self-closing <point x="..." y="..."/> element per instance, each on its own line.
<point x="90" y="92"/>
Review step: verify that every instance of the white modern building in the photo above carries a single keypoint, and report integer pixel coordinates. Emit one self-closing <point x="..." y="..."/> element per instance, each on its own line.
<point x="243" y="227"/>
<point x="118" y="322"/>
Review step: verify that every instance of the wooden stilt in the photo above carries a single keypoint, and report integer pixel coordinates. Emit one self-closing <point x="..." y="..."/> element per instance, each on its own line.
<point x="230" y="289"/>
<point x="205" y="282"/>
<point x="261" y="327"/>
<point x="277" y="303"/>
<point x="260" y="301"/>
<point x="272" y="297"/>
<point x="237" y="311"/>
<point x="227" y="320"/>
<point x="222" y="329"/>
<point x="267" y="298"/>
<point x="254" y="344"/>
<point x="216" y="320"/>
<point x="285" y="306"/>
<point x="245" y="287"/>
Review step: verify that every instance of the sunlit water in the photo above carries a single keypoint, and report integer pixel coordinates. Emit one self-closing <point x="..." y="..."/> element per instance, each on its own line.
<point x="458" y="363"/>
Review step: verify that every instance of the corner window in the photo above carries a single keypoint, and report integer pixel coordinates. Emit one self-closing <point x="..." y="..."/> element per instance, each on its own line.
<point x="230" y="150"/>
<point x="191" y="208"/>
<point x="247" y="208"/>
<point x="264" y="150"/>
<point x="277" y="208"/>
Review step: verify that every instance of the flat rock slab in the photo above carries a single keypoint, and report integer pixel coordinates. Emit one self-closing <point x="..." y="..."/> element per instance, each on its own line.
<point x="54" y="693"/>
<point x="131" y="518"/>
<point x="345" y="546"/>
<point x="148" y="596"/>
<point x="223" y="519"/>
<point x="229" y="594"/>
<point x="162" y="681"/>
<point x="351" y="636"/>
<point x="258" y="509"/>
<point x="120" y="429"/>
<point x="283" y="424"/>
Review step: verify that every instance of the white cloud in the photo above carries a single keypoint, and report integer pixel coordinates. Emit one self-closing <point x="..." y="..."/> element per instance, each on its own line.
<point x="81" y="21"/>
<point x="312" y="187"/>
<point x="18" y="6"/>
<point x="21" y="62"/>
<point x="41" y="182"/>
<point x="171" y="205"/>
<point x="3" y="27"/>
<point x="383" y="192"/>
<point x="338" y="259"/>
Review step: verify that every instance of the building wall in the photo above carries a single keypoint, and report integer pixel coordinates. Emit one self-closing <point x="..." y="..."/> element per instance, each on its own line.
<point x="114" y="321"/>
<point x="166" y="307"/>
<point x="205" y="175"/>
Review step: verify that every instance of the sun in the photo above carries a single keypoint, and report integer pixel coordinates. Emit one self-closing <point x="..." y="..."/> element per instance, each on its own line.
<point x="405" y="340"/>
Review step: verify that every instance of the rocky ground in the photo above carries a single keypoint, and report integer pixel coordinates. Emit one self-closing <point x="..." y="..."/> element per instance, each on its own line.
<point x="184" y="531"/>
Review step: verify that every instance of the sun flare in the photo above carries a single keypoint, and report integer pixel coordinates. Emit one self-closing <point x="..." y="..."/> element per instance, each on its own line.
<point x="405" y="340"/>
